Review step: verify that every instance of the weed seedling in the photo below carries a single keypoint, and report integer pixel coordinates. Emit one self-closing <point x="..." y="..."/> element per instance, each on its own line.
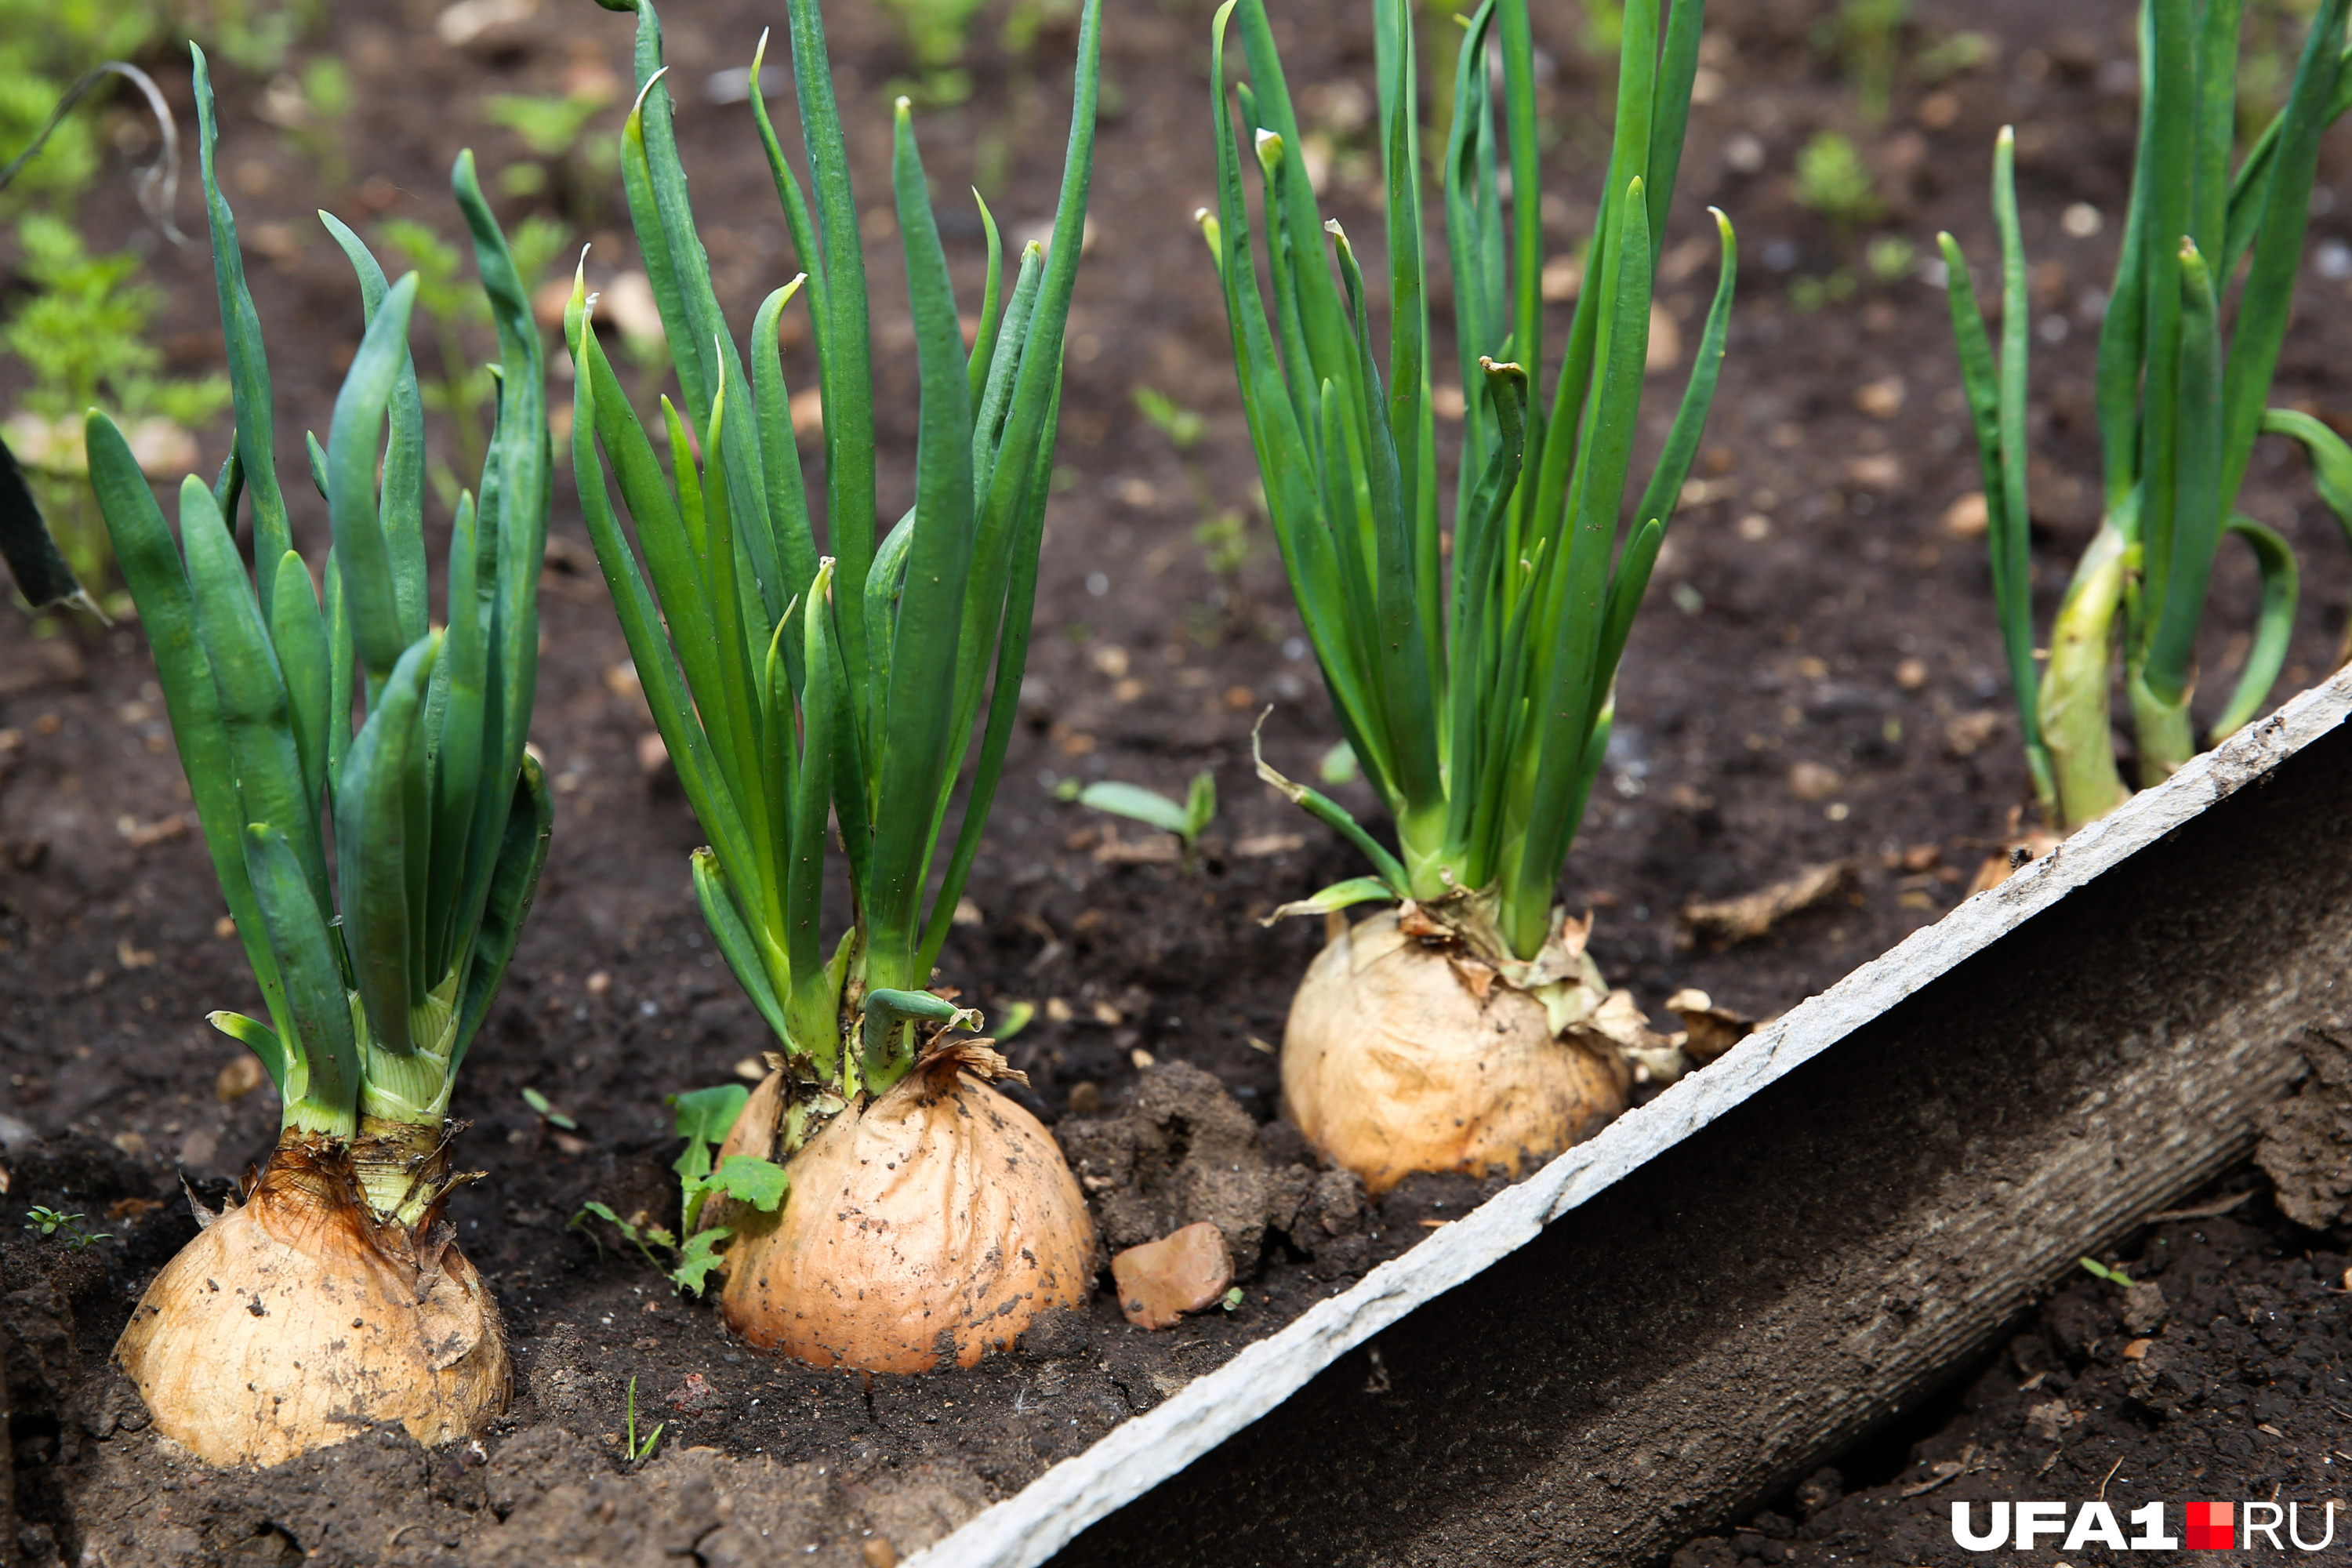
<point x="2092" y="1265"/>
<point x="1833" y="181"/>
<point x="639" y="1452"/>
<point x="465" y="392"/>
<point x="704" y="1115"/>
<point x="1867" y="36"/>
<point x="49" y="1223"/>
<point x="546" y="1112"/>
<point x="84" y="336"/>
<point x="1187" y="819"/>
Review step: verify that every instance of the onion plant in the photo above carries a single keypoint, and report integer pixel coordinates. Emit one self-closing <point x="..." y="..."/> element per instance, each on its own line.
<point x="2179" y="410"/>
<point x="1474" y="680"/>
<point x="801" y="694"/>
<point x="331" y="1296"/>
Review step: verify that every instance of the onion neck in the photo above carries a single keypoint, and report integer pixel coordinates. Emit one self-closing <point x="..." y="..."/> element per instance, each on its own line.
<point x="399" y="1147"/>
<point x="411" y="1086"/>
<point x="401" y="1168"/>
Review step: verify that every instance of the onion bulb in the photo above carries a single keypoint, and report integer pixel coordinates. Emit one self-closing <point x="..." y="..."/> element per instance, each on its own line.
<point x="298" y="1319"/>
<point x="927" y="1227"/>
<point x="1400" y="1056"/>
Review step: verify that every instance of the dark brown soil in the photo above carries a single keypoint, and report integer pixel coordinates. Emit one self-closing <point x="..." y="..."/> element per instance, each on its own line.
<point x="1767" y="644"/>
<point x="2219" y="1373"/>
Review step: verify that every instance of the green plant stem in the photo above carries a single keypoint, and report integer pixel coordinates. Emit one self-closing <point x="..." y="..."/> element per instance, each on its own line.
<point x="2074" y="712"/>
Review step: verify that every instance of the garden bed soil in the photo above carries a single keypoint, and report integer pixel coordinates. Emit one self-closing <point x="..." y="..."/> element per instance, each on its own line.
<point x="2220" y="1371"/>
<point x="1817" y="681"/>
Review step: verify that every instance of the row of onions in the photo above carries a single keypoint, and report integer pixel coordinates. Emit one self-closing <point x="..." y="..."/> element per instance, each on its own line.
<point x="829" y="690"/>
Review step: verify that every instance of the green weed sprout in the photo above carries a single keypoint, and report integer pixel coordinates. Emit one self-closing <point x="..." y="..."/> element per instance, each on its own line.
<point x="639" y="1451"/>
<point x="377" y="963"/>
<point x="704" y="1117"/>
<point x="465" y="388"/>
<point x="553" y="127"/>
<point x="1866" y="36"/>
<point x="798" y="690"/>
<point x="83" y="335"/>
<point x="2099" y="1270"/>
<point x="1833" y="181"/>
<point x="2178" y="412"/>
<point x="48" y="1221"/>
<point x="1187" y="818"/>
<point x="1475" y="690"/>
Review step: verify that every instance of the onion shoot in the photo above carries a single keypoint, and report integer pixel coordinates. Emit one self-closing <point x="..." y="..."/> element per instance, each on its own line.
<point x="333" y="1296"/>
<point x="2178" y="413"/>
<point x="1475" y="683"/>
<point x="928" y="1217"/>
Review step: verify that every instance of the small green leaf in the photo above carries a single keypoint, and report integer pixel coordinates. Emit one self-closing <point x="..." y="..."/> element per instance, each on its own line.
<point x="1232" y="1299"/>
<point x="592" y="1207"/>
<point x="1338" y="896"/>
<point x="699" y="1257"/>
<point x="763" y="1183"/>
<point x="2112" y="1275"/>
<point x="1137" y="805"/>
<point x="1017" y="1016"/>
<point x="555" y="1118"/>
<point x="704" y="1115"/>
<point x="1200" y="804"/>
<point x="1339" y="766"/>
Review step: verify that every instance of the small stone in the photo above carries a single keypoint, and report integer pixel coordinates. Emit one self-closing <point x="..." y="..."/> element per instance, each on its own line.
<point x="1969" y="733"/>
<point x="1162" y="1281"/>
<point x="654" y="764"/>
<point x="1813" y="782"/>
<point x="1665" y="346"/>
<point x="1911" y="674"/>
<point x="238" y="1079"/>
<point x="879" y="1553"/>
<point x="1085" y="1098"/>
<point x="1881" y="471"/>
<point x="1967" y="518"/>
<point x="2145" y="1308"/>
<point x="2047" y="1420"/>
<point x="1881" y="399"/>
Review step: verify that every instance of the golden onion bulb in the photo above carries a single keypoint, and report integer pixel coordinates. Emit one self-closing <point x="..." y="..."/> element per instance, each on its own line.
<point x="1393" y="1062"/>
<point x="296" y="1319"/>
<point x="928" y="1229"/>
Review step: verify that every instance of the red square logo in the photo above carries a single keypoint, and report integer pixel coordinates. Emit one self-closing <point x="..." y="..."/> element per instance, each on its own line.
<point x="2210" y="1528"/>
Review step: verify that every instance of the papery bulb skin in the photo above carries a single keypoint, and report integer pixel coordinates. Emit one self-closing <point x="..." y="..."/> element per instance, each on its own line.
<point x="927" y="1229"/>
<point x="296" y="1319"/>
<point x="1392" y="1063"/>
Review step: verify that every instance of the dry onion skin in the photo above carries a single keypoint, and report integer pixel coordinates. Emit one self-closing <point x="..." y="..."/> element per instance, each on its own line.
<point x="927" y="1229"/>
<point x="296" y="1319"/>
<point x="1392" y="1064"/>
